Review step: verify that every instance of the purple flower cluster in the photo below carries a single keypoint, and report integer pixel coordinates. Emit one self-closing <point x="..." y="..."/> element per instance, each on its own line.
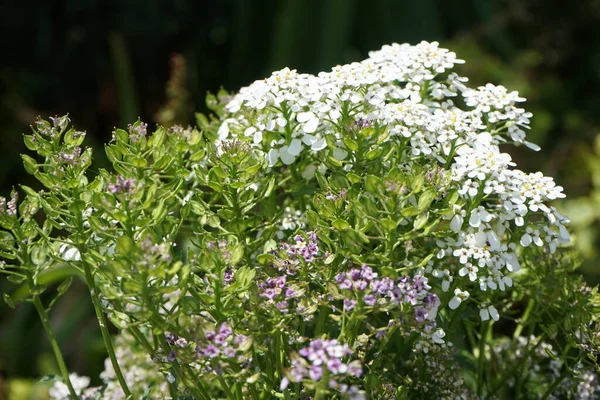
<point x="304" y="249"/>
<point x="72" y="157"/>
<point x="324" y="357"/>
<point x="385" y="291"/>
<point x="276" y="291"/>
<point x="9" y="207"/>
<point x="221" y="343"/>
<point x="122" y="185"/>
<point x="137" y="131"/>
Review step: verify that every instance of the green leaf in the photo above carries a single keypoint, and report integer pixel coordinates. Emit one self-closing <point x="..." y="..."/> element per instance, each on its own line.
<point x="340" y="225"/>
<point x="373" y="184"/>
<point x="410" y="211"/>
<point x="124" y="245"/>
<point x="30" y="142"/>
<point x="350" y="144"/>
<point x="421" y="220"/>
<point x="426" y="199"/>
<point x="30" y="164"/>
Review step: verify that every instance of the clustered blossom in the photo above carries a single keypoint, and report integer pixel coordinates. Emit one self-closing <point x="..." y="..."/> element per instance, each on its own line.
<point x="302" y="248"/>
<point x="9" y="207"/>
<point x="410" y="93"/>
<point x="221" y="343"/>
<point x="278" y="292"/>
<point x="72" y="156"/>
<point x="385" y="291"/>
<point x="323" y="358"/>
<point x="291" y="220"/>
<point x="122" y="185"/>
<point x="137" y="131"/>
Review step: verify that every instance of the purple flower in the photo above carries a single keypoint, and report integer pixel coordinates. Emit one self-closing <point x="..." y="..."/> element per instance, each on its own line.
<point x="229" y="352"/>
<point x="170" y="338"/>
<point x="361" y="285"/>
<point x="181" y="342"/>
<point x="370" y="300"/>
<point x="349" y="304"/>
<point x="220" y="339"/>
<point x="335" y="366"/>
<point x="171" y="356"/>
<point x="315" y="372"/>
<point x="211" y="351"/>
<point x="420" y="314"/>
<point x="283" y="306"/>
<point x="225" y="330"/>
<point x="228" y="276"/>
<point x="289" y="293"/>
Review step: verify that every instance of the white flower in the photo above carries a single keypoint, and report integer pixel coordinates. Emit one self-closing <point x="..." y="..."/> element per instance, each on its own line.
<point x="486" y="312"/>
<point x="60" y="391"/>
<point x="459" y="297"/>
<point x="69" y="252"/>
<point x="438" y="336"/>
<point x="470" y="270"/>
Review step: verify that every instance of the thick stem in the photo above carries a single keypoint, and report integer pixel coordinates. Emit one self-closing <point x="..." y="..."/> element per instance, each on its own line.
<point x="55" y="348"/>
<point x="104" y="329"/>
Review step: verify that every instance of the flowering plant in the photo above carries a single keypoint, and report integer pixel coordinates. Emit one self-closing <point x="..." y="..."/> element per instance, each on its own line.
<point x="354" y="234"/>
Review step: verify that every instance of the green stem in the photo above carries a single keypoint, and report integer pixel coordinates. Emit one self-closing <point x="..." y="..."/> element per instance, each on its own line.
<point x="104" y="329"/>
<point x="481" y="360"/>
<point x="524" y="318"/>
<point x="55" y="348"/>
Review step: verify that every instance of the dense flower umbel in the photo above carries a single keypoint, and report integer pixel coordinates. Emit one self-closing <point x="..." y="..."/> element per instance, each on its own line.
<point x="323" y="359"/>
<point x="408" y="92"/>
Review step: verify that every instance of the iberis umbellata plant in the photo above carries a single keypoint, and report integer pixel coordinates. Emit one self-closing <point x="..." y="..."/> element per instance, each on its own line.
<point x="360" y="233"/>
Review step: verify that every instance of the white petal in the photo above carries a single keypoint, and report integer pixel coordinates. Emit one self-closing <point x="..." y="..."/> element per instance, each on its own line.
<point x="454" y="303"/>
<point x="309" y="139"/>
<point x="484" y="314"/>
<point x="272" y="156"/>
<point x="474" y="220"/>
<point x="340" y="154"/>
<point x="525" y="240"/>
<point x="295" y="147"/>
<point x="305" y="116"/>
<point x="285" y="156"/>
<point x="494" y="241"/>
<point x="445" y="286"/>
<point x="250" y="131"/>
<point x="311" y="125"/>
<point x="512" y="263"/>
<point x="456" y="223"/>
<point x="494" y="313"/>
<point x="320" y="144"/>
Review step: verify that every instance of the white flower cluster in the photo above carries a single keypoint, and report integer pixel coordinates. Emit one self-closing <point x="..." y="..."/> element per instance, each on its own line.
<point x="410" y="93"/>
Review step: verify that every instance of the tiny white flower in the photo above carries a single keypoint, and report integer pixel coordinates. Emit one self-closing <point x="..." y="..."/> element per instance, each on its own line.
<point x="459" y="297"/>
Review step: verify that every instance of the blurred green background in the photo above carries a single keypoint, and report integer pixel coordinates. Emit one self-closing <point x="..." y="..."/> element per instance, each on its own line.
<point x="108" y="62"/>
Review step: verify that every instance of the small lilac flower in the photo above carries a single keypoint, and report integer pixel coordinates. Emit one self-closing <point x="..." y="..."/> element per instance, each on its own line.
<point x="170" y="338"/>
<point x="370" y="300"/>
<point x="181" y="342"/>
<point x="420" y="314"/>
<point x="228" y="276"/>
<point x="220" y="339"/>
<point x="349" y="304"/>
<point x="171" y="357"/>
<point x="283" y="306"/>
<point x="315" y="372"/>
<point x="229" y="352"/>
<point x="211" y="351"/>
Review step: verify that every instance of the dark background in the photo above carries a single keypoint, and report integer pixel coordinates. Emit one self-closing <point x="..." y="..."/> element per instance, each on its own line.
<point x="107" y="63"/>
